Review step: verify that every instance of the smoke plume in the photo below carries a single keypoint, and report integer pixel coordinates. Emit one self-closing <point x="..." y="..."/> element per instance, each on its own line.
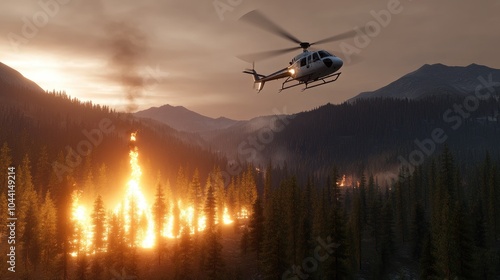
<point x="129" y="47"/>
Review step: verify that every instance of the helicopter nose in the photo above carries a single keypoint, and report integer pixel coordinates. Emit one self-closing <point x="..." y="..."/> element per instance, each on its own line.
<point x="333" y="62"/>
<point x="338" y="62"/>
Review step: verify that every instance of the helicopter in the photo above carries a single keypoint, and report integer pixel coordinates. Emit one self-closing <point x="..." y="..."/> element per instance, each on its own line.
<point x="309" y="68"/>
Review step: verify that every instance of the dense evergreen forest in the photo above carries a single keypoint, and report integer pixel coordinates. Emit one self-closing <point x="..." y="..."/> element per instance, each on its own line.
<point x="435" y="222"/>
<point x="299" y="219"/>
<point x="371" y="134"/>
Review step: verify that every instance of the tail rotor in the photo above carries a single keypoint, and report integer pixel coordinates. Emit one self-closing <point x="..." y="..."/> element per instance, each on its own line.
<point x="257" y="78"/>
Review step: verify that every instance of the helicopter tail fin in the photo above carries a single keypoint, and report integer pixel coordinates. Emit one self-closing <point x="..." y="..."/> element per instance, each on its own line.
<point x="257" y="79"/>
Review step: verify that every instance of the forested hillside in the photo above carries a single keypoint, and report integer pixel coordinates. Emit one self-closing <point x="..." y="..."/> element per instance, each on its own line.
<point x="100" y="194"/>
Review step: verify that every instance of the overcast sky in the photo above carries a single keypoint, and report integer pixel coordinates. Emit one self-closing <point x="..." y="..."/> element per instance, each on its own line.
<point x="133" y="55"/>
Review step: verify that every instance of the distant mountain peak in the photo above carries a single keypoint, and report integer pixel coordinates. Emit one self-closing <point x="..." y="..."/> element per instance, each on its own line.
<point x="433" y="79"/>
<point x="12" y="77"/>
<point x="183" y="119"/>
<point x="434" y="65"/>
<point x="171" y="106"/>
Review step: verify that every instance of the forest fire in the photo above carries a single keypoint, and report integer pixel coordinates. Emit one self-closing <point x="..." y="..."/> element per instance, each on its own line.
<point x="83" y="234"/>
<point x="342" y="182"/>
<point x="136" y="215"/>
<point x="134" y="208"/>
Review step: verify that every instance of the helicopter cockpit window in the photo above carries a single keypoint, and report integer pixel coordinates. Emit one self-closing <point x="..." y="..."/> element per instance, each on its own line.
<point x="315" y="57"/>
<point x="303" y="62"/>
<point x="324" y="54"/>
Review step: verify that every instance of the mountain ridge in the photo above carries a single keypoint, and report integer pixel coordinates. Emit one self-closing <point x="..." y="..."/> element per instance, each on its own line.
<point x="183" y="119"/>
<point x="432" y="80"/>
<point x="12" y="77"/>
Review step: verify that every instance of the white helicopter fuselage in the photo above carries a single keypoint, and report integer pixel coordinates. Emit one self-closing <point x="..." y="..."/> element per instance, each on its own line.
<point x="311" y="66"/>
<point x="308" y="68"/>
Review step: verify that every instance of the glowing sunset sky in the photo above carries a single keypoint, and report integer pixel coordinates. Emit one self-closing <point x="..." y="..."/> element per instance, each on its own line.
<point x="185" y="51"/>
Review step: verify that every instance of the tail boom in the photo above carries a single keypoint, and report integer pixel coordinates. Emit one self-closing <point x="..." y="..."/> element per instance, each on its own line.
<point x="257" y="79"/>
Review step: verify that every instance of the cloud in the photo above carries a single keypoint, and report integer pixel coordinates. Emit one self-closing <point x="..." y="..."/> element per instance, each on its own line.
<point x="188" y="40"/>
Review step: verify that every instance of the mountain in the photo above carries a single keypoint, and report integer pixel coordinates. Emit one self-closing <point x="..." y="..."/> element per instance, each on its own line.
<point x="182" y="119"/>
<point x="435" y="79"/>
<point x="16" y="89"/>
<point x="11" y="77"/>
<point x="374" y="133"/>
<point x="75" y="136"/>
<point x="368" y="133"/>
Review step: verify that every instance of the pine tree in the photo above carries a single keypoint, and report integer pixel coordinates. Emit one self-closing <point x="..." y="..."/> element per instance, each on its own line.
<point x="134" y="223"/>
<point x="231" y="199"/>
<point x="248" y="188"/>
<point x="160" y="213"/>
<point x="217" y="183"/>
<point x="42" y="169"/>
<point x="116" y="242"/>
<point x="268" y="183"/>
<point x="30" y="238"/>
<point x="273" y="262"/>
<point x="25" y="191"/>
<point x="48" y="225"/>
<point x="89" y="189"/>
<point x="82" y="264"/>
<point x="371" y="200"/>
<point x="489" y="195"/>
<point x="245" y="241"/>
<point x="339" y="264"/>
<point x="183" y="259"/>
<point x="99" y="222"/>
<point x="176" y="226"/>
<point x="363" y="200"/>
<point x="445" y="224"/>
<point x="29" y="226"/>
<point x="419" y="229"/>
<point x="401" y="200"/>
<point x="97" y="268"/>
<point x="99" y="243"/>
<point x="196" y="198"/>
<point x="102" y="179"/>
<point x="304" y="226"/>
<point x="63" y="194"/>
<point x="387" y="246"/>
<point x="356" y="230"/>
<point x="427" y="260"/>
<point x="467" y="267"/>
<point x="210" y="210"/>
<point x="182" y="184"/>
<point x="487" y="266"/>
<point x="214" y="264"/>
<point x="292" y="212"/>
<point x="256" y="225"/>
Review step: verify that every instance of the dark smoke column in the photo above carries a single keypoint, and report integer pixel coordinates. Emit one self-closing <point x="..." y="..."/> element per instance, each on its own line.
<point x="129" y="47"/>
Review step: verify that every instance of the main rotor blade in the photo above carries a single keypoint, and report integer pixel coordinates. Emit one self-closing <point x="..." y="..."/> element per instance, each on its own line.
<point x="260" y="20"/>
<point x="267" y="54"/>
<point x="337" y="37"/>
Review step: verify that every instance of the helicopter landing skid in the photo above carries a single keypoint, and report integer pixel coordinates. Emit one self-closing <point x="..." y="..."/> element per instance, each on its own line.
<point x="319" y="82"/>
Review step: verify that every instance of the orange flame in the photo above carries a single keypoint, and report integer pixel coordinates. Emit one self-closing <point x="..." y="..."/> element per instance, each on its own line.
<point x="136" y="209"/>
<point x="135" y="205"/>
<point x="82" y="237"/>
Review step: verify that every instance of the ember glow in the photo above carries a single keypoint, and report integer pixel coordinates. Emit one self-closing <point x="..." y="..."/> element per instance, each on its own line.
<point x="342" y="183"/>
